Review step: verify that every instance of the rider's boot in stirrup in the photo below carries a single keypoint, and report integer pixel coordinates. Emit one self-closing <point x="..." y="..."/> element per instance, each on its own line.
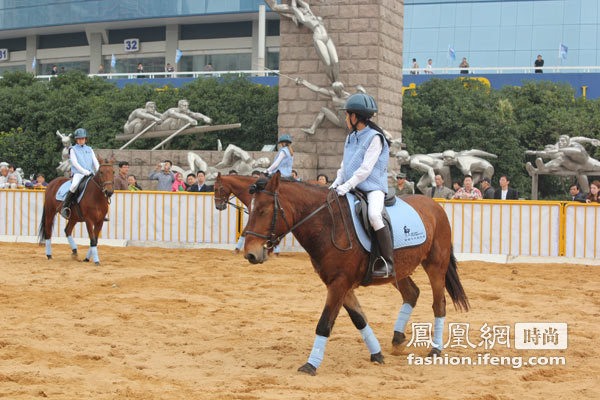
<point x="384" y="265"/>
<point x="66" y="207"/>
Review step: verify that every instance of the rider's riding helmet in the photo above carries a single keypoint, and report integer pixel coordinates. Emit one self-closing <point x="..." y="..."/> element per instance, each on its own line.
<point x="80" y="133"/>
<point x="361" y="104"/>
<point x="285" y="138"/>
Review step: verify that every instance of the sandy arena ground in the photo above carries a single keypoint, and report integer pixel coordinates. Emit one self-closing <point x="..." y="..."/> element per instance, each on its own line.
<point x="205" y="324"/>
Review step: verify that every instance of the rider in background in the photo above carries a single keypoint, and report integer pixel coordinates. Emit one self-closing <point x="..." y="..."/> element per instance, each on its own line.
<point x="285" y="158"/>
<point x="83" y="163"/>
<point x="364" y="166"/>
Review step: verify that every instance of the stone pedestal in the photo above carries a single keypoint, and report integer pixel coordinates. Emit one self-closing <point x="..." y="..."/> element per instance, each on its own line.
<point x="368" y="38"/>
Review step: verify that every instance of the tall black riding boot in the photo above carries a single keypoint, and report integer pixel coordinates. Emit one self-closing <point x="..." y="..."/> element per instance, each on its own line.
<point x="384" y="265"/>
<point x="66" y="207"/>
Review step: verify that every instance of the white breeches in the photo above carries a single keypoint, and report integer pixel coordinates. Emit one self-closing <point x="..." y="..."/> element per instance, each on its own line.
<point x="375" y="199"/>
<point x="77" y="178"/>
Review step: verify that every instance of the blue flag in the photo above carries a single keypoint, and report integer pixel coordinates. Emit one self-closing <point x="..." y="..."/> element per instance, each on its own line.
<point x="34" y="63"/>
<point x="451" y="52"/>
<point x="562" y="52"/>
<point x="178" y="54"/>
<point x="113" y="61"/>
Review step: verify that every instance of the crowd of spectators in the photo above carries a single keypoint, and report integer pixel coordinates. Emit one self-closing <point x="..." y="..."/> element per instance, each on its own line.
<point x="12" y="178"/>
<point x="464" y="66"/>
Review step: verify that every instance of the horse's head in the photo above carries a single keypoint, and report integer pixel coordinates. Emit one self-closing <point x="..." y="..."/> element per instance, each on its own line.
<point x="267" y="223"/>
<point x="222" y="193"/>
<point x="106" y="176"/>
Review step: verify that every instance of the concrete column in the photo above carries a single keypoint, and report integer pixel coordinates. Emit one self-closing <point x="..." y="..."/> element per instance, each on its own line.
<point x="31" y="45"/>
<point x="254" y="45"/>
<point x="368" y="38"/>
<point x="95" y="40"/>
<point x="262" y="26"/>
<point x="171" y="45"/>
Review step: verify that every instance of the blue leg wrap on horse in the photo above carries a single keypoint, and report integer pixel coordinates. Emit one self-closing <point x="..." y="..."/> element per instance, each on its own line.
<point x="403" y="317"/>
<point x="318" y="351"/>
<point x="89" y="253"/>
<point x="48" y="248"/>
<point x="72" y="242"/>
<point x="240" y="243"/>
<point x="438" y="332"/>
<point x="276" y="250"/>
<point x="95" y="253"/>
<point x="370" y="339"/>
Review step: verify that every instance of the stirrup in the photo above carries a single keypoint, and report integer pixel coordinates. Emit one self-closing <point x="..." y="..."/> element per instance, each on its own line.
<point x="385" y="273"/>
<point x="66" y="212"/>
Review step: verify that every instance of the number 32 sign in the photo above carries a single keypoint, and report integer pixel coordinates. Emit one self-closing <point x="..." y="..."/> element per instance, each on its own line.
<point x="132" y="45"/>
<point x="4" y="54"/>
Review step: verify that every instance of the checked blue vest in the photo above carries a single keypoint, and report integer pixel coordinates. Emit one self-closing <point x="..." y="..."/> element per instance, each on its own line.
<point x="84" y="158"/>
<point x="285" y="166"/>
<point x="354" y="154"/>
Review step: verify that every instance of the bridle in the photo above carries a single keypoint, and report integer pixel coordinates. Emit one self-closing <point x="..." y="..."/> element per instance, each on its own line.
<point x="220" y="195"/>
<point x="102" y="185"/>
<point x="272" y="239"/>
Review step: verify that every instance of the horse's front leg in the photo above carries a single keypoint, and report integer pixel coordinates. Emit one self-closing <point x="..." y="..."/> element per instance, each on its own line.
<point x="336" y="292"/>
<point x="410" y="293"/>
<point x="69" y="233"/>
<point x="93" y="232"/>
<point x="359" y="319"/>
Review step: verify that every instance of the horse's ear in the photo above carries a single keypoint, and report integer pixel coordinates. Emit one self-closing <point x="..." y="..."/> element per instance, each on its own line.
<point x="273" y="184"/>
<point x="99" y="159"/>
<point x="112" y="160"/>
<point x="219" y="176"/>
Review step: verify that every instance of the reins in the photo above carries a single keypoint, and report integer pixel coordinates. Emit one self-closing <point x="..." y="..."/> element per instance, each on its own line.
<point x="102" y="188"/>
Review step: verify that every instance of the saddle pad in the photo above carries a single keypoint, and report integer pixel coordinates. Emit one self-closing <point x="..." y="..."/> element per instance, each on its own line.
<point x="61" y="194"/>
<point x="406" y="223"/>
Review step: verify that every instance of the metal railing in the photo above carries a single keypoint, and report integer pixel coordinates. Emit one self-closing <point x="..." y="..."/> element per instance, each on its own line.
<point x="187" y="74"/>
<point x="505" y="70"/>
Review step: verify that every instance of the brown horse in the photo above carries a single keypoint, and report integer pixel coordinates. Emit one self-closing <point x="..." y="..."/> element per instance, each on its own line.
<point x="226" y="185"/>
<point x="92" y="209"/>
<point x="315" y="216"/>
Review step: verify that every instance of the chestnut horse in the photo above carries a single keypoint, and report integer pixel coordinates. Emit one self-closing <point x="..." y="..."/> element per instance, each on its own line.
<point x="315" y="215"/>
<point x="92" y="209"/>
<point x="238" y="185"/>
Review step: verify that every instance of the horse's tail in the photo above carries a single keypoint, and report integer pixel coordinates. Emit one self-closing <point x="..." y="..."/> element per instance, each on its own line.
<point x="42" y="232"/>
<point x="453" y="285"/>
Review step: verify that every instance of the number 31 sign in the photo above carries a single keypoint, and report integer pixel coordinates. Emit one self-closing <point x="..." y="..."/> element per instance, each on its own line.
<point x="4" y="54"/>
<point x="132" y="45"/>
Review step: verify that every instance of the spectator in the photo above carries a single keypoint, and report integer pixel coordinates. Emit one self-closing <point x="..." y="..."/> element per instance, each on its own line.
<point x="132" y="184"/>
<point x="505" y="193"/>
<point x="11" y="183"/>
<point x="468" y="192"/>
<point x="232" y="172"/>
<point x="162" y="173"/>
<point x="12" y="171"/>
<point x="439" y="191"/>
<point x="415" y="67"/>
<point x="170" y="68"/>
<point x="101" y="69"/>
<point x="54" y="71"/>
<point x="40" y="182"/>
<point x="202" y="186"/>
<point x="576" y="195"/>
<point x="403" y="187"/>
<point x="429" y="67"/>
<point x="464" y="65"/>
<point x="121" y="178"/>
<point x="178" y="185"/>
<point x="208" y="67"/>
<point x="3" y="177"/>
<point x="295" y="175"/>
<point x="140" y="70"/>
<point x="456" y="185"/>
<point x="539" y="63"/>
<point x="487" y="189"/>
<point x="255" y="174"/>
<point x="322" y="180"/>
<point x="593" y="197"/>
<point x="192" y="183"/>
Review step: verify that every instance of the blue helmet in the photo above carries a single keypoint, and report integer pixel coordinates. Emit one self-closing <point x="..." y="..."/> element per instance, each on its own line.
<point x="80" y="133"/>
<point x="361" y="103"/>
<point x="285" y="138"/>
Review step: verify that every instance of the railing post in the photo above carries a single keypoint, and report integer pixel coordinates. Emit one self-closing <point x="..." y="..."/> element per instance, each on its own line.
<point x="562" y="230"/>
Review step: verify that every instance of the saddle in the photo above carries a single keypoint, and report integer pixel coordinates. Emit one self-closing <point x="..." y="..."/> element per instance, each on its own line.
<point x="362" y="213"/>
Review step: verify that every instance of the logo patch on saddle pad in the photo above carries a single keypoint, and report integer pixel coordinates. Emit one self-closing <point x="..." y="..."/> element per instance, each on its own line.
<point x="407" y="225"/>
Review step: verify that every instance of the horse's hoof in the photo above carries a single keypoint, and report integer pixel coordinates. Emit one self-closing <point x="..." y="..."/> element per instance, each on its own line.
<point x="97" y="262"/>
<point x="85" y="260"/>
<point x="434" y="352"/>
<point x="399" y="338"/>
<point x="378" y="358"/>
<point x="308" y="369"/>
<point x="49" y="257"/>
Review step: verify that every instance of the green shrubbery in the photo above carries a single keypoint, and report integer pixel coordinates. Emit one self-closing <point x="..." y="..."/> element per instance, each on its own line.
<point x="32" y="110"/>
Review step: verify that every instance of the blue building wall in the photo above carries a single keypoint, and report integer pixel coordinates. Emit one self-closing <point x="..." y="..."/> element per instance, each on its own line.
<point x="21" y="14"/>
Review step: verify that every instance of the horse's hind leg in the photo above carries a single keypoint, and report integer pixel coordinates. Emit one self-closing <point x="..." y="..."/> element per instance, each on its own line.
<point x="336" y="291"/>
<point x="48" y="223"/>
<point x="437" y="278"/>
<point x="69" y="233"/>
<point x="410" y="293"/>
<point x="359" y="320"/>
